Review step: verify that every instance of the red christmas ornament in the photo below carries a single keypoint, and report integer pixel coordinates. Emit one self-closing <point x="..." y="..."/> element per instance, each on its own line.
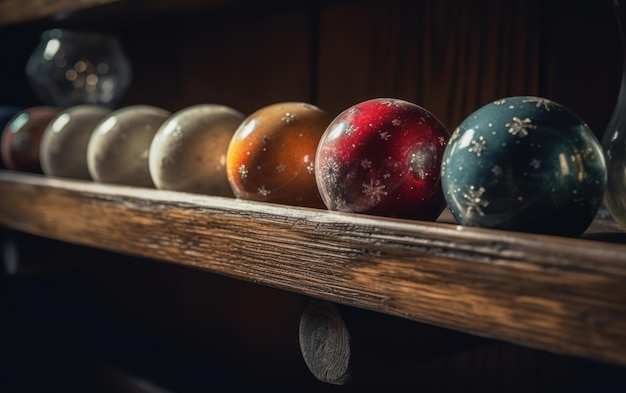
<point x="21" y="138"/>
<point x="383" y="157"/>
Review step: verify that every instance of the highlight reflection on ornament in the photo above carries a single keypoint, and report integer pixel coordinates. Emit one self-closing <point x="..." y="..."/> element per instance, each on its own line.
<point x="71" y="68"/>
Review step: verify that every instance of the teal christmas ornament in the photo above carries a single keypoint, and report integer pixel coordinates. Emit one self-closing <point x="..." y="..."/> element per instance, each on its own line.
<point x="524" y="164"/>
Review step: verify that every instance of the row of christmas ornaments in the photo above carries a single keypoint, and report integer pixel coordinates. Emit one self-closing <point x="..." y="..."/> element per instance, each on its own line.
<point x="520" y="163"/>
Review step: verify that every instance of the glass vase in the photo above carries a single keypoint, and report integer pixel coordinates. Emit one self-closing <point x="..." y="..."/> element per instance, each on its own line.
<point x="70" y="68"/>
<point x="614" y="140"/>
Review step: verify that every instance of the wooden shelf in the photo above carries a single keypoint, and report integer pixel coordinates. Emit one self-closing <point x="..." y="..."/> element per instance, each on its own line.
<point x="566" y="295"/>
<point x="15" y="12"/>
<point x="20" y="11"/>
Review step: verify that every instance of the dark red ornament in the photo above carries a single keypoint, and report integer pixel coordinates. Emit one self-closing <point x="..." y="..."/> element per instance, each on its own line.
<point x="383" y="157"/>
<point x="21" y="138"/>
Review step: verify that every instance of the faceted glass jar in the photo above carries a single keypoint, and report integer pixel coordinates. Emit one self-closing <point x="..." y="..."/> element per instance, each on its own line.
<point x="70" y="68"/>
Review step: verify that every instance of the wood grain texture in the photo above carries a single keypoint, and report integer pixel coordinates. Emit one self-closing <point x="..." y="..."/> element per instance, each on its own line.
<point x="19" y="11"/>
<point x="325" y="342"/>
<point x="559" y="294"/>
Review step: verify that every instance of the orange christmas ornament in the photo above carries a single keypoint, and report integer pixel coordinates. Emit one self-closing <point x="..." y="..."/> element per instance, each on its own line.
<point x="271" y="155"/>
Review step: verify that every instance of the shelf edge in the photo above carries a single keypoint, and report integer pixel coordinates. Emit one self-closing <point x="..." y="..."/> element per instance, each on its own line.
<point x="558" y="294"/>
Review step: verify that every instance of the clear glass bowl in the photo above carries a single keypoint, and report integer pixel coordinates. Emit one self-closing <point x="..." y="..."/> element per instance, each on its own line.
<point x="70" y="68"/>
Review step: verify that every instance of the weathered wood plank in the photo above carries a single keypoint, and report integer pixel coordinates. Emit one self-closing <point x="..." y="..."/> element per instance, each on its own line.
<point x="560" y="294"/>
<point x="19" y="11"/>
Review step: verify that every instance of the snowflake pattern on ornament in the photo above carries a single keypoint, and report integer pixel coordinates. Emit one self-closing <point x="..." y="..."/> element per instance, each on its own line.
<point x="243" y="171"/>
<point x="478" y="146"/>
<point x="331" y="170"/>
<point x="541" y="102"/>
<point x="474" y="200"/>
<point x="389" y="102"/>
<point x="353" y="111"/>
<point x="350" y="129"/>
<point x="288" y="118"/>
<point x="520" y="127"/>
<point x="375" y="191"/>
<point x="341" y="205"/>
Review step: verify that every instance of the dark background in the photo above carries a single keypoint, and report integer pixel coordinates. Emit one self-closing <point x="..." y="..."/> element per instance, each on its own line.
<point x="449" y="56"/>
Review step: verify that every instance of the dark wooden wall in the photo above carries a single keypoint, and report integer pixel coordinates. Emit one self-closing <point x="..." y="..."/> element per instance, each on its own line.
<point x="449" y="56"/>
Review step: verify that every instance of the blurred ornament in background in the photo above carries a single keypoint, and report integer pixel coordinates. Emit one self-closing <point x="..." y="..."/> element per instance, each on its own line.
<point x="614" y="140"/>
<point x="63" y="148"/>
<point x="21" y="138"/>
<point x="70" y="68"/>
<point x="7" y="112"/>
<point x="119" y="147"/>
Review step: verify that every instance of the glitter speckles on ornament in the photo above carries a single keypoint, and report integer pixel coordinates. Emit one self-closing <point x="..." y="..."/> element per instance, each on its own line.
<point x="524" y="164"/>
